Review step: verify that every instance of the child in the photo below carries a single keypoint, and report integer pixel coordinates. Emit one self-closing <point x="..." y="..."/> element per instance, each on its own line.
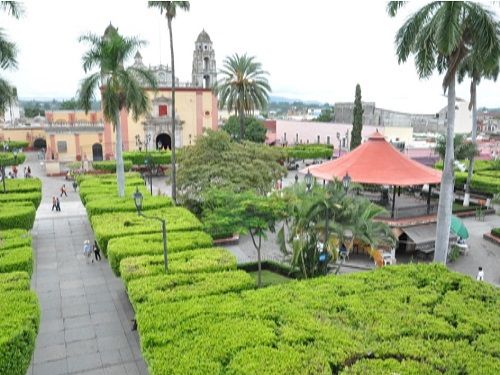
<point x="87" y="252"/>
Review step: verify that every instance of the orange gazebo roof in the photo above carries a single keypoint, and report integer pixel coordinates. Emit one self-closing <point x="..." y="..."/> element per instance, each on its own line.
<point x="376" y="162"/>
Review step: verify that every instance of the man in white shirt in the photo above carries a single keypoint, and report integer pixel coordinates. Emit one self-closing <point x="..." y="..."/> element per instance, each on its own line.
<point x="480" y="274"/>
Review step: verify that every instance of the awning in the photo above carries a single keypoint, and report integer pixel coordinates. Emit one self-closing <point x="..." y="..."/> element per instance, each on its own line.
<point x="424" y="236"/>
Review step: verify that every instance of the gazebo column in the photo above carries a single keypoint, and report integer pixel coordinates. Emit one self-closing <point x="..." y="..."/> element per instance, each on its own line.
<point x="393" y="200"/>
<point x="429" y="200"/>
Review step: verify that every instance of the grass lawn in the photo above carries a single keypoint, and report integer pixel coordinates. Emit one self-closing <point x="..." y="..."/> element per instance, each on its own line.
<point x="270" y="278"/>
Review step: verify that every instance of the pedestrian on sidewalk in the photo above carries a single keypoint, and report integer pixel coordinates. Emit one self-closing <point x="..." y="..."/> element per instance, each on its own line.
<point x="54" y="203"/>
<point x="63" y="190"/>
<point x="480" y="274"/>
<point x="58" y="205"/>
<point x="87" y="251"/>
<point x="97" y="251"/>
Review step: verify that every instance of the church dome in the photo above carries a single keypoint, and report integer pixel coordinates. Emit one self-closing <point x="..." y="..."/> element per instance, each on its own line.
<point x="203" y="37"/>
<point x="110" y="29"/>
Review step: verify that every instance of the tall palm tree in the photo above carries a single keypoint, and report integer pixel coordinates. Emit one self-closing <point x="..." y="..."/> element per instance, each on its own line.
<point x="462" y="148"/>
<point x="477" y="67"/>
<point x="121" y="88"/>
<point x="440" y="35"/>
<point x="243" y="88"/>
<point x="170" y="10"/>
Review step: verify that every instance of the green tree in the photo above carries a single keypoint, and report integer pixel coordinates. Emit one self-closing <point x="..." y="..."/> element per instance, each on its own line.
<point x="476" y="67"/>
<point x="170" y="9"/>
<point x="254" y="129"/>
<point x="357" y="122"/>
<point x="71" y="104"/>
<point x="243" y="88"/>
<point x="326" y="115"/>
<point x="120" y="87"/>
<point x="8" y="54"/>
<point x="463" y="148"/>
<point x="440" y="35"/>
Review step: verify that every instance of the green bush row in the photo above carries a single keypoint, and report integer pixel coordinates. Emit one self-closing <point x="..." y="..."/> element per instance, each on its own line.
<point x="14" y="238"/>
<point x="119" y="224"/>
<point x="479" y="183"/>
<point x="126" y="204"/>
<point x="175" y="287"/>
<point x="14" y="145"/>
<point x="428" y="319"/>
<point x="496" y="232"/>
<point x="33" y="197"/>
<point x="23" y="185"/>
<point x="139" y="158"/>
<point x="190" y="261"/>
<point x="8" y="158"/>
<point x="20" y="318"/>
<point x="152" y="244"/>
<point x="17" y="215"/>
<point x="107" y="183"/>
<point x="110" y="165"/>
<point x="16" y="259"/>
<point x="93" y="193"/>
<point x="104" y="177"/>
<point x="309" y="152"/>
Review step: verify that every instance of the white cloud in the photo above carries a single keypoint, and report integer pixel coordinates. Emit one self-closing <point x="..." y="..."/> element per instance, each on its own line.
<point x="316" y="50"/>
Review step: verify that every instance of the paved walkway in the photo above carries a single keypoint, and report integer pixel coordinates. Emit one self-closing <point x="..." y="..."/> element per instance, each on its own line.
<point x="86" y="316"/>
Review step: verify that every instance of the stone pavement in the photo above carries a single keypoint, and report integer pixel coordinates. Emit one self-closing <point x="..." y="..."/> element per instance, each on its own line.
<point x="85" y="325"/>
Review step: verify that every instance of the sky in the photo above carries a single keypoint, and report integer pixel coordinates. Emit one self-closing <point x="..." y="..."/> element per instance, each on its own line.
<point x="317" y="50"/>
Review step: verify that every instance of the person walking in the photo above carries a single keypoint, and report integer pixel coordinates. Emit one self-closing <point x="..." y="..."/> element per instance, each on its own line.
<point x="87" y="251"/>
<point x="54" y="203"/>
<point x="480" y="274"/>
<point x="29" y="172"/>
<point x="63" y="190"/>
<point x="58" y="205"/>
<point x="97" y="251"/>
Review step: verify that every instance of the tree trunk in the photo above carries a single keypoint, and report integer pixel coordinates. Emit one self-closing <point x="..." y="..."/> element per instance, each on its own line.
<point x="259" y="265"/>
<point x="172" y="136"/>
<point x="446" y="189"/>
<point x="474" y="141"/>
<point x="120" y="170"/>
<point x="242" y="124"/>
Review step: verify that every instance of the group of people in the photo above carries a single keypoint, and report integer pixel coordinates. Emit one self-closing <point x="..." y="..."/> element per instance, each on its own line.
<point x="88" y="250"/>
<point x="56" y="203"/>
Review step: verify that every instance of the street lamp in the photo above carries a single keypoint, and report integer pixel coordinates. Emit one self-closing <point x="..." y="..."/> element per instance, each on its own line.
<point x="308" y="179"/>
<point x="138" y="205"/>
<point x="148" y="162"/>
<point x="340" y="144"/>
<point x="346" y="181"/>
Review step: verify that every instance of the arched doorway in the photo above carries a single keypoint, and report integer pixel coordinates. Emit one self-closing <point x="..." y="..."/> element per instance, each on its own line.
<point x="97" y="152"/>
<point x="39" y="143"/>
<point x="163" y="142"/>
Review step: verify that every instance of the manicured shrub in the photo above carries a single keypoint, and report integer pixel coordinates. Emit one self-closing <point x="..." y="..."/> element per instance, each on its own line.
<point x="33" y="197"/>
<point x="14" y="281"/>
<point x="104" y="177"/>
<point x="309" y="151"/>
<point x="8" y="158"/>
<point x="152" y="244"/>
<point x="94" y="193"/>
<point x="191" y="261"/>
<point x="18" y="185"/>
<point x="176" y="287"/>
<point x="16" y="259"/>
<point x="108" y="183"/>
<point x="139" y="158"/>
<point x="17" y="215"/>
<point x="14" y="145"/>
<point x="495" y="232"/>
<point x="413" y="319"/>
<point x="116" y="204"/>
<point x="110" y="165"/>
<point x="14" y="238"/>
<point x="119" y="224"/>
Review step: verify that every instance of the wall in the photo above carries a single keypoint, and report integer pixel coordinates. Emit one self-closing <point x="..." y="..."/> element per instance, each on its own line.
<point x="22" y="134"/>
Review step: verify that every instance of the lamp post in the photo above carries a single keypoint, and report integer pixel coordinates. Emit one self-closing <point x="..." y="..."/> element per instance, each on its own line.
<point x="340" y="145"/>
<point x="308" y="179"/>
<point x="148" y="162"/>
<point x="346" y="181"/>
<point x="138" y="205"/>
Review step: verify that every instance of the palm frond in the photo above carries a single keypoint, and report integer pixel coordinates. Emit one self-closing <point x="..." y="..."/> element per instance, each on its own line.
<point x="8" y="52"/>
<point x="393" y="7"/>
<point x="86" y="93"/>
<point x="13" y="8"/>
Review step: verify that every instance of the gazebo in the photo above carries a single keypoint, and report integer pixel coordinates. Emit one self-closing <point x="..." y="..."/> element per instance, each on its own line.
<point x="377" y="162"/>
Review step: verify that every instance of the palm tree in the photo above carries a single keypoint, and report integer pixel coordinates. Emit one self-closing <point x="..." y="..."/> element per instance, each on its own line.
<point x="462" y="148"/>
<point x="121" y="88"/>
<point x="476" y="67"/>
<point x="170" y="9"/>
<point x="243" y="88"/>
<point x="440" y="35"/>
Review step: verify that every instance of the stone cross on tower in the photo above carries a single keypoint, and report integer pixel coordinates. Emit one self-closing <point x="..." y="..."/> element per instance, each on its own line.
<point x="204" y="69"/>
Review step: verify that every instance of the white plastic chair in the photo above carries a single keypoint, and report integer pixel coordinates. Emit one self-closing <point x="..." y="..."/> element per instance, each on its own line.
<point x="389" y="257"/>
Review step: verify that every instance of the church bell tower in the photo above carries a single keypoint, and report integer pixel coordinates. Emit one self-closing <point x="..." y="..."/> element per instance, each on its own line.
<point x="204" y="69"/>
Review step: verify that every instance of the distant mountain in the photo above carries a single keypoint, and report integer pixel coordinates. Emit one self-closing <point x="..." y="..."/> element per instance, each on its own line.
<point x="283" y="99"/>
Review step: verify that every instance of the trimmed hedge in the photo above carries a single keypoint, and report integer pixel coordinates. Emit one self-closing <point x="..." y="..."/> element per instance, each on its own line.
<point x="20" y="318"/>
<point x="17" y="215"/>
<point x="24" y="185"/>
<point x="176" y="287"/>
<point x="14" y="281"/>
<point x="93" y="193"/>
<point x="14" y="145"/>
<point x="418" y="319"/>
<point x="16" y="259"/>
<point x="110" y="165"/>
<point x="119" y="224"/>
<point x="108" y="183"/>
<point x="117" y="204"/>
<point x="496" y="232"/>
<point x="313" y="151"/>
<point x="13" y="238"/>
<point x="191" y="261"/>
<point x="33" y="197"/>
<point x="152" y="244"/>
<point x="479" y="183"/>
<point x="104" y="177"/>
<point x="7" y="158"/>
<point x="139" y="158"/>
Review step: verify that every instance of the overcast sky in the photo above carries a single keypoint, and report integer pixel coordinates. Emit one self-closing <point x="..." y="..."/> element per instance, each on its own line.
<point x="317" y="50"/>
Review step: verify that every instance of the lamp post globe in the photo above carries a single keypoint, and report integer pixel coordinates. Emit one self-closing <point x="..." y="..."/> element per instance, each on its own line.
<point x="346" y="181"/>
<point x="138" y="200"/>
<point x="308" y="179"/>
